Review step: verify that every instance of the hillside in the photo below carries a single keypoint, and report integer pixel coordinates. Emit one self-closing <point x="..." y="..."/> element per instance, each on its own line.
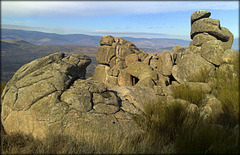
<point x="19" y="47"/>
<point x="15" y="53"/>
<point x="183" y="101"/>
<point x="40" y="38"/>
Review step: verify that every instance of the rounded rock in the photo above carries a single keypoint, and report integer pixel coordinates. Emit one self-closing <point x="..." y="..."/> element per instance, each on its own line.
<point x="199" y="15"/>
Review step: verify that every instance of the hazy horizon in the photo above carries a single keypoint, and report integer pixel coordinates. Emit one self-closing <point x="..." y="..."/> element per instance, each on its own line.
<point x="141" y="19"/>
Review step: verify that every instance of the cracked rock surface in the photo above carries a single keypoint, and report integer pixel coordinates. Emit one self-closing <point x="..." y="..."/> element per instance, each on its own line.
<point x="50" y="94"/>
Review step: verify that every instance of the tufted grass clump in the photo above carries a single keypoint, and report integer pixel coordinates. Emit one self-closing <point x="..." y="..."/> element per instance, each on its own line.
<point x="206" y="139"/>
<point x="191" y="94"/>
<point x="226" y="89"/>
<point x="19" y="143"/>
<point x="172" y="125"/>
<point x="161" y="123"/>
<point x="99" y="142"/>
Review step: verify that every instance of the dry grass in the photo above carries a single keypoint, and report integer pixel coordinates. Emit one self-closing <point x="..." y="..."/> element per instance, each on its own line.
<point x="226" y="89"/>
<point x="162" y="123"/>
<point x="172" y="125"/>
<point x="110" y="142"/>
<point x="168" y="128"/>
<point x="206" y="139"/>
<point x="191" y="94"/>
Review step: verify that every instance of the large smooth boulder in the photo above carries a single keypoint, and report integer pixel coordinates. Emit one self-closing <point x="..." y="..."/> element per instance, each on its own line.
<point x="199" y="15"/>
<point x="210" y="26"/>
<point x="189" y="65"/>
<point x="141" y="71"/>
<point x="107" y="40"/>
<point x="100" y="73"/>
<point x="230" y="55"/>
<point x="35" y="88"/>
<point x="125" y="78"/>
<point x="165" y="63"/>
<point x="122" y="51"/>
<point x="105" y="54"/>
<point x="227" y="44"/>
<point x="138" y="96"/>
<point x="200" y="38"/>
<point x="131" y="58"/>
<point x="177" y="52"/>
<point x="50" y="96"/>
<point x="213" y="51"/>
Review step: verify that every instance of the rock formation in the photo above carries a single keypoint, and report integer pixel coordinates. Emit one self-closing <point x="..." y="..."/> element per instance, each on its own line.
<point x="51" y="94"/>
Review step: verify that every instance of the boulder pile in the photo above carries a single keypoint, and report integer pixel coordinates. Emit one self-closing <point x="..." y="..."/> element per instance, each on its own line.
<point x="122" y="63"/>
<point x="51" y="94"/>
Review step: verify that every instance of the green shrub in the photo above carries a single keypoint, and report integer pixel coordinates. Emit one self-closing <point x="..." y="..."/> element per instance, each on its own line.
<point x="185" y="92"/>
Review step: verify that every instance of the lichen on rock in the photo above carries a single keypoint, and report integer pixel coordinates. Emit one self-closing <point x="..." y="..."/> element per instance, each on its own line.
<point x="52" y="94"/>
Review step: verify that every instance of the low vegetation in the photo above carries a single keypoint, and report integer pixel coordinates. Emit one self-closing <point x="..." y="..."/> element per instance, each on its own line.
<point x="173" y="124"/>
<point x="201" y="76"/>
<point x="226" y="89"/>
<point x="167" y="128"/>
<point x="188" y="93"/>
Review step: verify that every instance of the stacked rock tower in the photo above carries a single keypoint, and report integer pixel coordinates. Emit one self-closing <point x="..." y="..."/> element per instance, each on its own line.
<point x="121" y="63"/>
<point x="51" y="95"/>
<point x="209" y="38"/>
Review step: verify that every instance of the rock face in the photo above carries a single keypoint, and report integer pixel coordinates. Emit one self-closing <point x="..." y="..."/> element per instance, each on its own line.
<point x="199" y="15"/>
<point x="205" y="29"/>
<point x="188" y="65"/>
<point x="51" y="94"/>
<point x="125" y="64"/>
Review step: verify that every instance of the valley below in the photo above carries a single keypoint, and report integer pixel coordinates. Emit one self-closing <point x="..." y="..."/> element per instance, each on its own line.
<point x="15" y="53"/>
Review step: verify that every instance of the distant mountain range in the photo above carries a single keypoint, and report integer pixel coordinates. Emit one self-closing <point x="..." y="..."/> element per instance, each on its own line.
<point x="41" y="38"/>
<point x="15" y="53"/>
<point x="19" y="47"/>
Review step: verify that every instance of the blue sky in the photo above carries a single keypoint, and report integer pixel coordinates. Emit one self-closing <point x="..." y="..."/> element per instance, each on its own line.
<point x="156" y="19"/>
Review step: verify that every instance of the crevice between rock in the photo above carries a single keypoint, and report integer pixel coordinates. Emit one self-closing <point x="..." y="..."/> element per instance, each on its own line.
<point x="35" y="82"/>
<point x="37" y="99"/>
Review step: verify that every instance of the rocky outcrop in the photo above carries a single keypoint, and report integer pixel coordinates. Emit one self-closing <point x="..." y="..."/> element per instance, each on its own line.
<point x="125" y="64"/>
<point x="209" y="38"/>
<point x="51" y="94"/>
<point x="199" y="15"/>
<point x="189" y="65"/>
<point x="208" y="49"/>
